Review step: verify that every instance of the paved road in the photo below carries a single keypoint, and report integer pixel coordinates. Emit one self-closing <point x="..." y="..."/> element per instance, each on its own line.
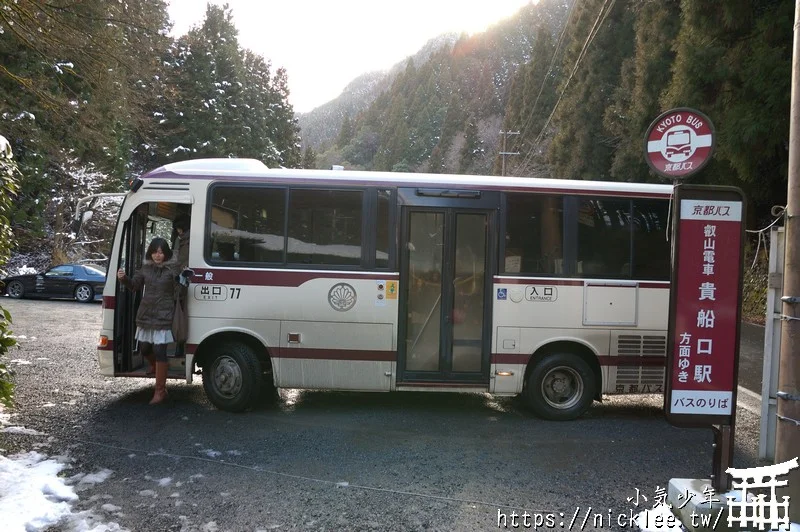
<point x="751" y="357"/>
<point x="331" y="461"/>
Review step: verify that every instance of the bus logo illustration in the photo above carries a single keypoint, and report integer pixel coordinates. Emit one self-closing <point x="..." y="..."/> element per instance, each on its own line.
<point x="759" y="510"/>
<point x="342" y="297"/>
<point x="679" y="143"/>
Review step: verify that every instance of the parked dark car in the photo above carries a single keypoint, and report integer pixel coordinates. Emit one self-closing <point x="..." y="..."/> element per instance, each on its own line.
<point x="82" y="282"/>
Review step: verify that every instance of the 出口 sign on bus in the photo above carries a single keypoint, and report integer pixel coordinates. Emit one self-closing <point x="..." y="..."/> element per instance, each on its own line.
<point x="705" y="306"/>
<point x="679" y="143"/>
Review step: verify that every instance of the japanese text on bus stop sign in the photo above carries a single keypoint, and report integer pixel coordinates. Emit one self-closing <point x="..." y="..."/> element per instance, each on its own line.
<point x="707" y="294"/>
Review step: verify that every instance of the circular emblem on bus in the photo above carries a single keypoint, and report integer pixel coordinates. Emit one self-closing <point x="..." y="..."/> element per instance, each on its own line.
<point x="342" y="297"/>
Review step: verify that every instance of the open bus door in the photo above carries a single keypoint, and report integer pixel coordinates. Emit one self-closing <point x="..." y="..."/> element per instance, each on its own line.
<point x="134" y="244"/>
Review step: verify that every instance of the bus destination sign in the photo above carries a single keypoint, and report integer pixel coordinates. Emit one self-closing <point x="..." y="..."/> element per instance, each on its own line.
<point x="705" y="306"/>
<point x="679" y="143"/>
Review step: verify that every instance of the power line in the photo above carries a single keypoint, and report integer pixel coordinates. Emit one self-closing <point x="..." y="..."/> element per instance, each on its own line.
<point x="529" y="122"/>
<point x="605" y="9"/>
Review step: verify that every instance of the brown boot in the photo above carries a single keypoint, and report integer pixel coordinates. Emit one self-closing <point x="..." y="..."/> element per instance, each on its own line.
<point x="151" y="361"/>
<point x="161" y="383"/>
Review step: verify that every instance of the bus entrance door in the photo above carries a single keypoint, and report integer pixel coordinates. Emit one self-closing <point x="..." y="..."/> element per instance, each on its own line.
<point x="445" y="312"/>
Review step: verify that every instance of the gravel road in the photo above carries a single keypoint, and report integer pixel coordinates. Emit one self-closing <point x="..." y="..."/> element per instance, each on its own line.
<point x="329" y="460"/>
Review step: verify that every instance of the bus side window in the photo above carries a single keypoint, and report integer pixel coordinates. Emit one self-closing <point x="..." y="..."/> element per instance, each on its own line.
<point x="534" y="234"/>
<point x="651" y="250"/>
<point x="247" y="218"/>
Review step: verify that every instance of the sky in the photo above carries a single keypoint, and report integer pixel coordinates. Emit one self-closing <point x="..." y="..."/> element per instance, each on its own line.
<point x="324" y="44"/>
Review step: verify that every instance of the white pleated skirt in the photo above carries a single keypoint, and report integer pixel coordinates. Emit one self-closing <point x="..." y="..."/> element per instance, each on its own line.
<point x="154" y="336"/>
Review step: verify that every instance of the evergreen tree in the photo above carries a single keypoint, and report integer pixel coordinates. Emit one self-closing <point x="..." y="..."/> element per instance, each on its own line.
<point x="73" y="82"/>
<point x="733" y="62"/>
<point x="309" y="158"/>
<point x="345" y="133"/>
<point x="229" y="102"/>
<point x="600" y="40"/>
<point x="472" y="146"/>
<point x="643" y="78"/>
<point x="530" y="99"/>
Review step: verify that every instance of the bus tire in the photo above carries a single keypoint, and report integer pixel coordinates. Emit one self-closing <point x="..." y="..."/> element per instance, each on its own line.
<point x="232" y="377"/>
<point x="560" y="387"/>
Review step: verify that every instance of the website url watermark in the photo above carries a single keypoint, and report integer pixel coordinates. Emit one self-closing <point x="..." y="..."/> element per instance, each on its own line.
<point x="753" y="501"/>
<point x="581" y="518"/>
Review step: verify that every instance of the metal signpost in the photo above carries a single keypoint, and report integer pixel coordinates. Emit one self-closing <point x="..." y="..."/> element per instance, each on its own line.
<point x="705" y="299"/>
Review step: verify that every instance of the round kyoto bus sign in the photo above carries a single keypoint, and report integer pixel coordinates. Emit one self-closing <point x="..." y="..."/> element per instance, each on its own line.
<point x="679" y="143"/>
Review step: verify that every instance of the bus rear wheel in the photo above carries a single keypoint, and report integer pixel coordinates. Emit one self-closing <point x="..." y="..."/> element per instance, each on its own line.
<point x="232" y="378"/>
<point x="560" y="387"/>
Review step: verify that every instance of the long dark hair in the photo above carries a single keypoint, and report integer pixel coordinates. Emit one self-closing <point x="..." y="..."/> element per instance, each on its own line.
<point x="155" y="245"/>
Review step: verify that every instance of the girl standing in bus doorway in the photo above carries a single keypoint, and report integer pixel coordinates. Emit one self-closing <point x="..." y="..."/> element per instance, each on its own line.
<point x="154" y="318"/>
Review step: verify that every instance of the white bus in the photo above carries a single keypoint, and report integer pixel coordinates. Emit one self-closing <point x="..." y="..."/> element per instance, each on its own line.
<point x="340" y="280"/>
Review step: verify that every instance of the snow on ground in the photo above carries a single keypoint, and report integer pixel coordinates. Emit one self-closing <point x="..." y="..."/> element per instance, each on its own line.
<point x="35" y="494"/>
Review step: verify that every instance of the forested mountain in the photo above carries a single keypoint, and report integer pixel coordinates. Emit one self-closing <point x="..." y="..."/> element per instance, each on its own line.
<point x="579" y="83"/>
<point x="322" y="126"/>
<point x="444" y="112"/>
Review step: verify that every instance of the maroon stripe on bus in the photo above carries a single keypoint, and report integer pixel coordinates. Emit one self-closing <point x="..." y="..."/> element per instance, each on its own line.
<point x="279" y="278"/>
<point x="335" y="354"/>
<point x="426" y="384"/>
<point x="532" y="280"/>
<point x="655" y="284"/>
<point x="636" y="361"/>
<point x="110" y="302"/>
<point x="510" y="358"/>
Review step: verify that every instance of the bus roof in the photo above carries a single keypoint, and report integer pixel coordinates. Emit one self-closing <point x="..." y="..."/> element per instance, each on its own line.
<point x="254" y="170"/>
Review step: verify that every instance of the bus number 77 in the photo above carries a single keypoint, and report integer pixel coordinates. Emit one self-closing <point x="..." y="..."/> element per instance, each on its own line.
<point x="235" y="293"/>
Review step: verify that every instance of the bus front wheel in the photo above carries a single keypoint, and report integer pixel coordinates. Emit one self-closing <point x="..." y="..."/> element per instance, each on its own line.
<point x="232" y="377"/>
<point x="560" y="387"/>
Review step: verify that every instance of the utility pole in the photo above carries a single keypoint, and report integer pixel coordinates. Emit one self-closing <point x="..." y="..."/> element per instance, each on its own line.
<point x="787" y="435"/>
<point x="504" y="152"/>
